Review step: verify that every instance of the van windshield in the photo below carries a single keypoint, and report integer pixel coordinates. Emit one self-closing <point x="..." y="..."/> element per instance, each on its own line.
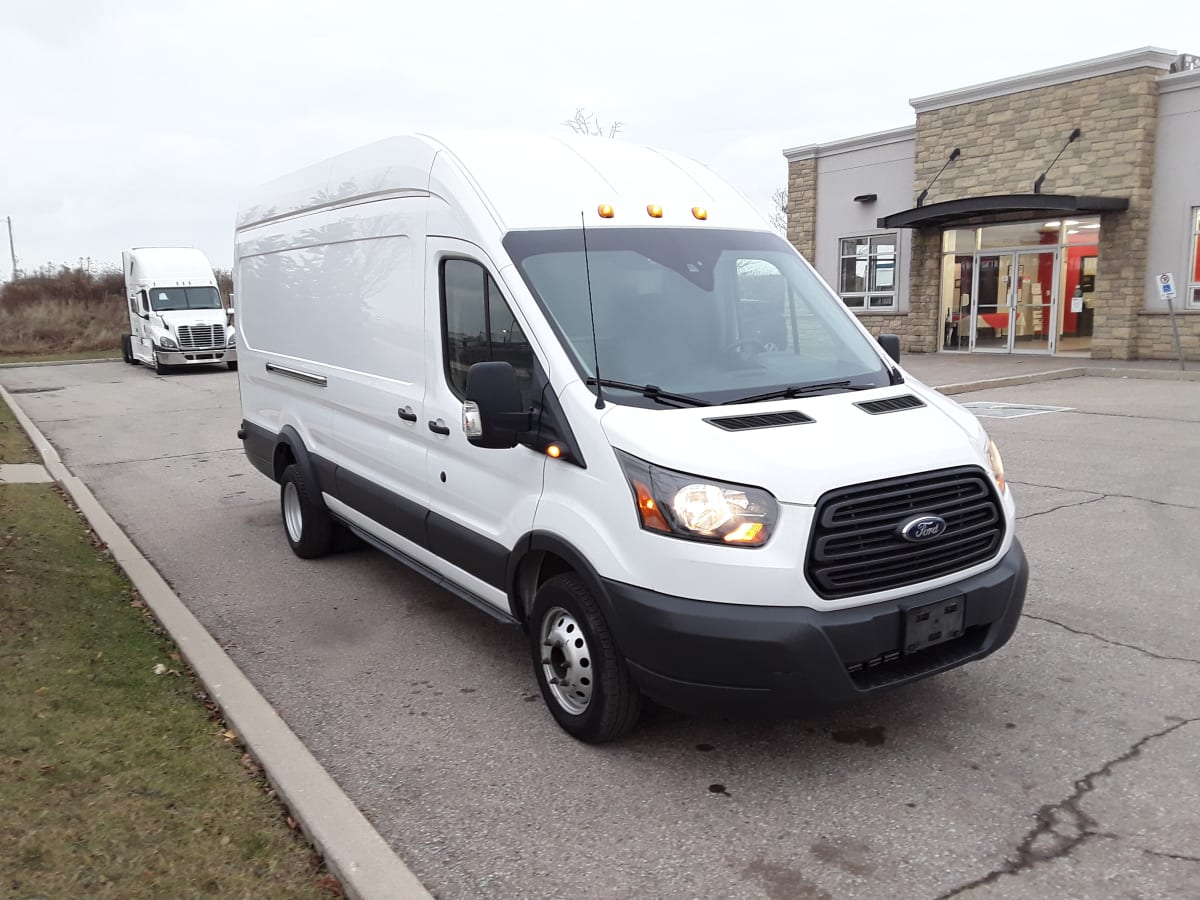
<point x="166" y="299"/>
<point x="719" y="316"/>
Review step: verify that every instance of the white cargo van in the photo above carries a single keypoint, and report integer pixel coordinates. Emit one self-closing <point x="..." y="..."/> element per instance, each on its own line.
<point x="582" y="385"/>
<point x="175" y="312"/>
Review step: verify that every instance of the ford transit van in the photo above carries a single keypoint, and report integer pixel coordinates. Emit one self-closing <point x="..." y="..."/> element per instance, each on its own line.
<point x="585" y="387"/>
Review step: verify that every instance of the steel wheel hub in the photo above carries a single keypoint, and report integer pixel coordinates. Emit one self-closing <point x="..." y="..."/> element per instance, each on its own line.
<point x="293" y="516"/>
<point x="566" y="661"/>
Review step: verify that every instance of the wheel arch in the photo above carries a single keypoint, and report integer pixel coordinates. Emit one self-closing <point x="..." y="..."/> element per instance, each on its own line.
<point x="538" y="557"/>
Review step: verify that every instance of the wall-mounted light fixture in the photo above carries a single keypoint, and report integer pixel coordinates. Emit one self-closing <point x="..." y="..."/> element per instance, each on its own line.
<point x="866" y="198"/>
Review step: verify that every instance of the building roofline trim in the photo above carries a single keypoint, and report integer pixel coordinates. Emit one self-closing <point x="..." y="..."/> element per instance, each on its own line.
<point x="1179" y="81"/>
<point x="846" y="145"/>
<point x="1143" y="57"/>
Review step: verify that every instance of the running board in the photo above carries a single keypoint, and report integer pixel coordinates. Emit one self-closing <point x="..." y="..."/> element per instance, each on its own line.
<point x="436" y="577"/>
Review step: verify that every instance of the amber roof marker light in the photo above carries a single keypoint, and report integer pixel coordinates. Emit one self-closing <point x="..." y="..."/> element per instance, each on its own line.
<point x="700" y="212"/>
<point x="654" y="210"/>
<point x="605" y="211"/>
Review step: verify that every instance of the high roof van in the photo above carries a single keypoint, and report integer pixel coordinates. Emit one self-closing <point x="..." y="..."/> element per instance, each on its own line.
<point x="583" y="385"/>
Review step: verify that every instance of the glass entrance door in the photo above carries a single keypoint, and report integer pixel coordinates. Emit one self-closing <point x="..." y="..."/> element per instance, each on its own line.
<point x="1013" y="301"/>
<point x="1035" y="317"/>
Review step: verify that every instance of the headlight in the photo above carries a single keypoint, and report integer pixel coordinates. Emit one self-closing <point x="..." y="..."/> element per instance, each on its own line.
<point x="232" y="342"/>
<point x="699" y="509"/>
<point x="996" y="464"/>
<point x="167" y="343"/>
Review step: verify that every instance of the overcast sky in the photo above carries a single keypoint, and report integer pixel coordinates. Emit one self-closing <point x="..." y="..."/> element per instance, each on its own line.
<point x="135" y="123"/>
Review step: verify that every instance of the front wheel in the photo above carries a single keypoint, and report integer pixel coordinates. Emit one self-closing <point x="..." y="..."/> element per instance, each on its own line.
<point x="307" y="524"/>
<point x="159" y="367"/>
<point x="232" y="366"/>
<point x="583" y="679"/>
<point x="127" y="349"/>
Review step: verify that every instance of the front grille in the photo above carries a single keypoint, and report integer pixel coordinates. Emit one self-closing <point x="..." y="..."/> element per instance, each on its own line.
<point x="856" y="547"/>
<point x="766" y="420"/>
<point x="200" y="337"/>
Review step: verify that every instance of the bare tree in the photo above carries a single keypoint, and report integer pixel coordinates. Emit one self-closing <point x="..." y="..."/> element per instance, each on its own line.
<point x="584" y="122"/>
<point x="779" y="210"/>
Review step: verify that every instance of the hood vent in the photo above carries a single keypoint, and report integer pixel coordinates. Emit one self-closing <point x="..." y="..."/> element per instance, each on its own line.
<point x="890" y="404"/>
<point x="767" y="420"/>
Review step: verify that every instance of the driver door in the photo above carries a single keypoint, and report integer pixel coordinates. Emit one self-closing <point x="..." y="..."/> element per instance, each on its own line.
<point x="482" y="501"/>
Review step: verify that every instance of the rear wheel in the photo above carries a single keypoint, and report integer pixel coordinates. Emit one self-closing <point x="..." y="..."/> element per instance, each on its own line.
<point x="307" y="524"/>
<point x="583" y="679"/>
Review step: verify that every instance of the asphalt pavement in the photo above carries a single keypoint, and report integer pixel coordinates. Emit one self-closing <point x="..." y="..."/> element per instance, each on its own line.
<point x="1067" y="764"/>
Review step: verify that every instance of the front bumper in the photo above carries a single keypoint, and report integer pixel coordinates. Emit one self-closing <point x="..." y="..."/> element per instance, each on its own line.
<point x="690" y="654"/>
<point x="195" y="357"/>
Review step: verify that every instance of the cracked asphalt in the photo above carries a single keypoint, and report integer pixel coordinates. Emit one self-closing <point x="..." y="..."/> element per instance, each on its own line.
<point x="1066" y="765"/>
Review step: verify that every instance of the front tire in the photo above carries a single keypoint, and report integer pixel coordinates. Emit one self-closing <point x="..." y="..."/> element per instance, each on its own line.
<point x="127" y="349"/>
<point x="232" y="366"/>
<point x="584" y="681"/>
<point x="307" y="524"/>
<point x="159" y="368"/>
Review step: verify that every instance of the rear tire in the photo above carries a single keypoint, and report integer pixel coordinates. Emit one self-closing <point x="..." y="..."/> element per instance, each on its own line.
<point x="232" y="366"/>
<point x="592" y="697"/>
<point x="306" y="522"/>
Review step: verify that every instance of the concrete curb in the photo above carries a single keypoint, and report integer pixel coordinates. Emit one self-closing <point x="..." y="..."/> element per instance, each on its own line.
<point x="984" y="384"/>
<point x="1010" y="380"/>
<point x="1151" y="374"/>
<point x="60" y="362"/>
<point x="355" y="853"/>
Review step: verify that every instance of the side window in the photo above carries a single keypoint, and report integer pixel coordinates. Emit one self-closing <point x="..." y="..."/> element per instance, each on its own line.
<point x="480" y="327"/>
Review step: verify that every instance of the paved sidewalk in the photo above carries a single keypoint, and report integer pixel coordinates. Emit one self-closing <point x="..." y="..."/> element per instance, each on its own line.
<point x="24" y="473"/>
<point x="937" y="369"/>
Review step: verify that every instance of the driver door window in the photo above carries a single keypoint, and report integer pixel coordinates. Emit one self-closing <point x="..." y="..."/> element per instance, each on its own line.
<point x="480" y="327"/>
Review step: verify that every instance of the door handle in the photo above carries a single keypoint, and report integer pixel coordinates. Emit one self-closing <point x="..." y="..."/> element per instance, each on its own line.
<point x="407" y="414"/>
<point x="438" y="428"/>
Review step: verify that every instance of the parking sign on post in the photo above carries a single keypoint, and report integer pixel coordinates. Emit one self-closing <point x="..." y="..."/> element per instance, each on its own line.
<point x="1166" y="290"/>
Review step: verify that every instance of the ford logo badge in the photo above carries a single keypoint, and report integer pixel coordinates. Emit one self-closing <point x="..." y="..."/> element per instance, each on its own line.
<point x="923" y="528"/>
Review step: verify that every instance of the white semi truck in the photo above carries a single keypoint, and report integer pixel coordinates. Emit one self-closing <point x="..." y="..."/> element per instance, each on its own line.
<point x="175" y="312"/>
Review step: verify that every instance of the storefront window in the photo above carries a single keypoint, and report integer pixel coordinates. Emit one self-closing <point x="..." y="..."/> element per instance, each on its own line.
<point x="867" y="272"/>
<point x="989" y="292"/>
<point x="1019" y="234"/>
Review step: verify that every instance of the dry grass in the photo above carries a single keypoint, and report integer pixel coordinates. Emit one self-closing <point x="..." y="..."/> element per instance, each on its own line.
<point x="53" y="314"/>
<point x="115" y="780"/>
<point x="52" y="326"/>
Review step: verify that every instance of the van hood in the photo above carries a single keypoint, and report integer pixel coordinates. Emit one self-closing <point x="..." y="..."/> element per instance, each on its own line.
<point x="843" y="445"/>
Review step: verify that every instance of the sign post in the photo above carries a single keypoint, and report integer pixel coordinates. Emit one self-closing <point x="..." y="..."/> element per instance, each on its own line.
<point x="1166" y="290"/>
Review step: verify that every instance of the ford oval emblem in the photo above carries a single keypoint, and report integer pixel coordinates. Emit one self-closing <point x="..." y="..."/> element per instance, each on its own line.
<point x="923" y="528"/>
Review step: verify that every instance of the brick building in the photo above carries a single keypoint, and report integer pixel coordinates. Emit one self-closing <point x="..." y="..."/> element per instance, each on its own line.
<point x="944" y="232"/>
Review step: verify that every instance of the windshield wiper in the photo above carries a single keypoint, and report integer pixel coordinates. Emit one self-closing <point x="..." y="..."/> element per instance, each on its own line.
<point x="794" y="390"/>
<point x="650" y="392"/>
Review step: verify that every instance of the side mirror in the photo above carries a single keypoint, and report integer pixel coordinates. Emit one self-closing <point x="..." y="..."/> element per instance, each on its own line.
<point x="494" y="415"/>
<point x="891" y="345"/>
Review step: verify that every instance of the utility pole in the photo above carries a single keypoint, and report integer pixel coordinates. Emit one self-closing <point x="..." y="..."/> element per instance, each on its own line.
<point x="11" y="250"/>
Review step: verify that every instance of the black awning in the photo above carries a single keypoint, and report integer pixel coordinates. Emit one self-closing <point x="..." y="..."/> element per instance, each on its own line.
<point x="1007" y="205"/>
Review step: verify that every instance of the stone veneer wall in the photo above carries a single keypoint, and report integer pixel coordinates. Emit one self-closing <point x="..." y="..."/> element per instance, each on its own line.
<point x="1155" y="340"/>
<point x="802" y="207"/>
<point x="1006" y="142"/>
